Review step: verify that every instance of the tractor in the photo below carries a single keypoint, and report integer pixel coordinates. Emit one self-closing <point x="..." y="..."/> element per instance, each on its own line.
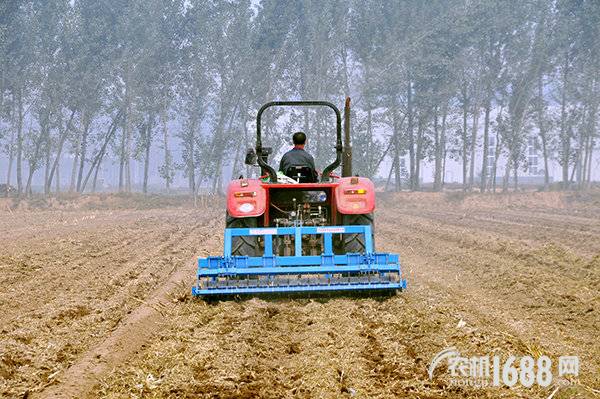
<point x="297" y="231"/>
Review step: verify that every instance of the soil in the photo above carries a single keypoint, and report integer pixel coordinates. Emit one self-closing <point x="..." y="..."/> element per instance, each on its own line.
<point x="96" y="302"/>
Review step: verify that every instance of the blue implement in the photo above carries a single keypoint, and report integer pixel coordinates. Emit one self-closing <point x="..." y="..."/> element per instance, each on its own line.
<point x="238" y="275"/>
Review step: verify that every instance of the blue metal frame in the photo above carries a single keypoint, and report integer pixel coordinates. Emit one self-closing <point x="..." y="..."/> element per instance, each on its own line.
<point x="231" y="275"/>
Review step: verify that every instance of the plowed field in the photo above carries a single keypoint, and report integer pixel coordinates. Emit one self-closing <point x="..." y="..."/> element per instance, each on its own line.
<point x="96" y="303"/>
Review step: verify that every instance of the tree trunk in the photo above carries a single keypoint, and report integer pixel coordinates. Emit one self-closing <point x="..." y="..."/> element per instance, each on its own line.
<point x="486" y="141"/>
<point x="147" y="144"/>
<point x="506" y="177"/>
<point x="96" y="170"/>
<point x="216" y="177"/>
<point x="98" y="159"/>
<point x="167" y="152"/>
<point x="443" y="144"/>
<point x="20" y="142"/>
<point x="306" y="120"/>
<point x="585" y="162"/>
<point x="77" y="150"/>
<point x="581" y="156"/>
<point x="190" y="152"/>
<point x="128" y="159"/>
<point x="590" y="133"/>
<point x="396" y="163"/>
<point x="128" y="131"/>
<point x="47" y="159"/>
<point x="11" y="153"/>
<point x="33" y="164"/>
<point x="465" y="155"/>
<point x="444" y="170"/>
<point x="516" y="176"/>
<point x="84" y="139"/>
<point x="494" y="174"/>
<point x="32" y="168"/>
<point x="545" y="155"/>
<point x="418" y="152"/>
<point x="573" y="173"/>
<point x="437" y="178"/>
<point x="61" y="141"/>
<point x="318" y="140"/>
<point x="564" y="133"/>
<point x="58" y="177"/>
<point x="389" y="178"/>
<point x="590" y="163"/>
<point x="122" y="155"/>
<point x="496" y="155"/>
<point x="411" y="139"/>
<point x="541" y="118"/>
<point x="227" y="133"/>
<point x="220" y="141"/>
<point x="473" y="146"/>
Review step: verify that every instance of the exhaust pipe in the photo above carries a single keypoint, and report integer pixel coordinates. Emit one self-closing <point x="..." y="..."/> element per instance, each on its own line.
<point x="347" y="154"/>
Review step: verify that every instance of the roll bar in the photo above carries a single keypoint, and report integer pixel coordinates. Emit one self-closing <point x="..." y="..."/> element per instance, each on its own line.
<point x="338" y="127"/>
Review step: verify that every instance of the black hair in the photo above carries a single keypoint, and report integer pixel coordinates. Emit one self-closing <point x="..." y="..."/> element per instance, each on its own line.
<point x="299" y="138"/>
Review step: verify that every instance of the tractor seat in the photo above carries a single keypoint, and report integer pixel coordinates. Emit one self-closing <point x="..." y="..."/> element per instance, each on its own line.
<point x="302" y="174"/>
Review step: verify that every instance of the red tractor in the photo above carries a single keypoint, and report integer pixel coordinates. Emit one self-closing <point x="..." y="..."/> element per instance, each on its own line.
<point x="291" y="233"/>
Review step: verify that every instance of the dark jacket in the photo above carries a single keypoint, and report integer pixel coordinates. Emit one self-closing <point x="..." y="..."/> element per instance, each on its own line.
<point x="296" y="157"/>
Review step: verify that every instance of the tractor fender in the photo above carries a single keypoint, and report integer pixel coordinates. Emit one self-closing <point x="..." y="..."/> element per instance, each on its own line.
<point x="246" y="198"/>
<point x="355" y="195"/>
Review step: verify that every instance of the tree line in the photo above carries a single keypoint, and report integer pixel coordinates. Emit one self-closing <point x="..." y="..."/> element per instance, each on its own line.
<point x="105" y="81"/>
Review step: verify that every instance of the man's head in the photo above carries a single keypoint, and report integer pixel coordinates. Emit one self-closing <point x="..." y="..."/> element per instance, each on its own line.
<point x="299" y="139"/>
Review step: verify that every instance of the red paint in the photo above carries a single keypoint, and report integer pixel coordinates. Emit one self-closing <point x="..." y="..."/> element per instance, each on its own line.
<point x="338" y="201"/>
<point x="353" y="204"/>
<point x="257" y="202"/>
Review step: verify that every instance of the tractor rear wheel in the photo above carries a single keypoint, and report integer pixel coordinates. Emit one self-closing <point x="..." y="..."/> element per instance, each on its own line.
<point x="242" y="246"/>
<point x="355" y="243"/>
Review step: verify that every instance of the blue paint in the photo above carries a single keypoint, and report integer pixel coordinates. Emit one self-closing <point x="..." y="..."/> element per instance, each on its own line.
<point x="232" y="275"/>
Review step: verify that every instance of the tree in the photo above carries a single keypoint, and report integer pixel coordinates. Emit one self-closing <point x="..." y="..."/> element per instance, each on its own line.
<point x="109" y="83"/>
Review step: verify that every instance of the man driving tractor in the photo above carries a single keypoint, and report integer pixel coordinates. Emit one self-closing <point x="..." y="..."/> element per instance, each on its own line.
<point x="297" y="163"/>
<point x="288" y="231"/>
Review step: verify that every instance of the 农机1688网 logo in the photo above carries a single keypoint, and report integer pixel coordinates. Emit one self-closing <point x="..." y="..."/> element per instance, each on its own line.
<point x="483" y="371"/>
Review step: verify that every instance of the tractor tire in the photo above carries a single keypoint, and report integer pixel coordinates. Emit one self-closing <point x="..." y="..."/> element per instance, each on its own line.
<point x="242" y="246"/>
<point x="355" y="243"/>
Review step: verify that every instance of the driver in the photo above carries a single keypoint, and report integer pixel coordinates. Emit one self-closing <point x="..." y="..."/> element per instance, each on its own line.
<point x="297" y="156"/>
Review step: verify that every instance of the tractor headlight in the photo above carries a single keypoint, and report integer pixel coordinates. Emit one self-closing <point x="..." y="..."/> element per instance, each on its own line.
<point x="246" y="207"/>
<point x="353" y="192"/>
<point x="244" y="194"/>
